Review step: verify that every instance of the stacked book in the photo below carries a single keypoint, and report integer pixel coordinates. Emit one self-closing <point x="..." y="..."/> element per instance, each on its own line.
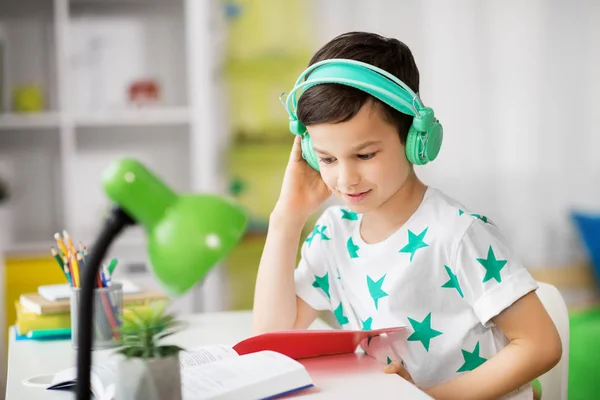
<point x="45" y="314"/>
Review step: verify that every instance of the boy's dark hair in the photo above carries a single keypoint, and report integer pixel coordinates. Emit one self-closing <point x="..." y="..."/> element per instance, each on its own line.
<point x="333" y="103"/>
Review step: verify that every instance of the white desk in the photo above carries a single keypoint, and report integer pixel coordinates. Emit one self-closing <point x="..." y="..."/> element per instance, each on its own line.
<point x="351" y="376"/>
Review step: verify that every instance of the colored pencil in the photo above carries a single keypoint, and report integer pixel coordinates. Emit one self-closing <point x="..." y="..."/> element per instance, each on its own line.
<point x="61" y="264"/>
<point x="61" y="244"/>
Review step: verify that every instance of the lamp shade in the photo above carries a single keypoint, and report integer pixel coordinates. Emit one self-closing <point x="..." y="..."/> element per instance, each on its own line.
<point x="187" y="233"/>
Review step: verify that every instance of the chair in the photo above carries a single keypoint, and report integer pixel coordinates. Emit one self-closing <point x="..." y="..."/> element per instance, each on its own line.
<point x="555" y="382"/>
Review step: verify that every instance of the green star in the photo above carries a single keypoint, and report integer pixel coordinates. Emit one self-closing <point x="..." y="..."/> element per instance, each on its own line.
<point x="323" y="283"/>
<point x="352" y="248"/>
<point x="481" y="217"/>
<point x="453" y="282"/>
<point x="351" y="215"/>
<point x="415" y="242"/>
<point x="492" y="266"/>
<point x="366" y="324"/>
<point x="375" y="289"/>
<point x="423" y="332"/>
<point x="339" y="315"/>
<point x="317" y="230"/>
<point x="472" y="359"/>
<point x="460" y="212"/>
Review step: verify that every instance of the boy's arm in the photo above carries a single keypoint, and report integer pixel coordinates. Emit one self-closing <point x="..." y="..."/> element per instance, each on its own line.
<point x="534" y="348"/>
<point x="276" y="306"/>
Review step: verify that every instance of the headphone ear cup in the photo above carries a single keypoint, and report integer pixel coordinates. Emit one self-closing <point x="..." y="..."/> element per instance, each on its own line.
<point x="308" y="153"/>
<point x="296" y="127"/>
<point x="413" y="147"/>
<point x="435" y="136"/>
<point x="425" y="131"/>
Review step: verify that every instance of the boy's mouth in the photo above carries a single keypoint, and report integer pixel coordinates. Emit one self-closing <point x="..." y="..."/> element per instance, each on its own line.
<point x="357" y="196"/>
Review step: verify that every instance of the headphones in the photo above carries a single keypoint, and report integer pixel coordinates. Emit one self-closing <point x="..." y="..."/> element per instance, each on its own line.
<point x="425" y="134"/>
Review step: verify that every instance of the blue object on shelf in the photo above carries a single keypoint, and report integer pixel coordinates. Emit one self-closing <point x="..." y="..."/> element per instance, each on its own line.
<point x="44" y="334"/>
<point x="588" y="225"/>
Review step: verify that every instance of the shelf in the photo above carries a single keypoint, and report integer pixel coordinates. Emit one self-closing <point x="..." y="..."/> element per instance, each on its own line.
<point x="133" y="238"/>
<point x="44" y="120"/>
<point x="135" y="117"/>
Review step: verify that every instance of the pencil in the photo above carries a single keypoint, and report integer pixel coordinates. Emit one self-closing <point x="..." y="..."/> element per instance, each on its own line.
<point x="83" y="250"/>
<point x="69" y="241"/>
<point x="111" y="266"/>
<point x="61" y="244"/>
<point x="75" y="267"/>
<point x="60" y="262"/>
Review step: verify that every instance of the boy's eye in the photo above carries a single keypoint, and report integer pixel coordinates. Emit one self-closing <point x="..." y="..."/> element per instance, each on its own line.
<point x="327" y="160"/>
<point x="366" y="156"/>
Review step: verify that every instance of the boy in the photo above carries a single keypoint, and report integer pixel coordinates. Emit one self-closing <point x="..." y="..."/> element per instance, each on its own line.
<point x="399" y="252"/>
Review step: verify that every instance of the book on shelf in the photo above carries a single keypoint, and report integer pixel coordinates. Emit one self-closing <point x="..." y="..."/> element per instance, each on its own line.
<point x="262" y="366"/>
<point x="28" y="320"/>
<point x="36" y="303"/>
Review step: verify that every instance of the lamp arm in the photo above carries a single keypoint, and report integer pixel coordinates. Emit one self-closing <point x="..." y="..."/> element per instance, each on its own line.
<point x="113" y="225"/>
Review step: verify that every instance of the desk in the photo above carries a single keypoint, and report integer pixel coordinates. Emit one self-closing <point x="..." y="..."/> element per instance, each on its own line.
<point x="350" y="376"/>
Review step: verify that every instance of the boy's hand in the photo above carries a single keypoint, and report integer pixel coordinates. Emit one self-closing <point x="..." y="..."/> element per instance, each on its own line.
<point x="395" y="367"/>
<point x="303" y="191"/>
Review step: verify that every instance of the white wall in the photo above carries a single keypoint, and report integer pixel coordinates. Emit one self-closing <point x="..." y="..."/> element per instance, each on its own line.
<point x="514" y="84"/>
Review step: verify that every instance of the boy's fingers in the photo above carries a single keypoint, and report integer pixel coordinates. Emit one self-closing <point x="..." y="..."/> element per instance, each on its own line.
<point x="395" y="367"/>
<point x="296" y="153"/>
<point x="392" y="368"/>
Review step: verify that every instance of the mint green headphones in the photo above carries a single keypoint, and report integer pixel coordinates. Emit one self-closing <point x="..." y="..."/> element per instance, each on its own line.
<point x="425" y="134"/>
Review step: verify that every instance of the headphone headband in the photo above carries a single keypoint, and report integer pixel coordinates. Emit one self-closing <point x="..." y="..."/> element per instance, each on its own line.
<point x="425" y="134"/>
<point x="368" y="78"/>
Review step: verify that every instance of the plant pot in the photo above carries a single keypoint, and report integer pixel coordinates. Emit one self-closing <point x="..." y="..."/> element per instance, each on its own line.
<point x="151" y="379"/>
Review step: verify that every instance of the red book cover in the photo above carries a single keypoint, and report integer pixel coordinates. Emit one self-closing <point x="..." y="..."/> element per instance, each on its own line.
<point x="299" y="344"/>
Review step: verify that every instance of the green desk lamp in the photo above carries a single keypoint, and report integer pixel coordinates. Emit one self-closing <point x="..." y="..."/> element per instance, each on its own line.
<point x="187" y="236"/>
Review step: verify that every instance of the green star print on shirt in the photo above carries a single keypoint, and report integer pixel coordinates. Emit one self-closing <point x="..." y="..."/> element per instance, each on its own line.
<point x="492" y="266"/>
<point x="453" y="282"/>
<point x="472" y="359"/>
<point x="339" y="315"/>
<point x="366" y="324"/>
<point x="322" y="282"/>
<point x="351" y="215"/>
<point x="317" y="230"/>
<point x="423" y="332"/>
<point x="481" y="217"/>
<point x="352" y="248"/>
<point x="375" y="290"/>
<point x="415" y="242"/>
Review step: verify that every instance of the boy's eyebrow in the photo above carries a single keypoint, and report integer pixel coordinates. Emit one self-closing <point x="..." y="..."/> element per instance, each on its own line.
<point x="366" y="144"/>
<point x="356" y="148"/>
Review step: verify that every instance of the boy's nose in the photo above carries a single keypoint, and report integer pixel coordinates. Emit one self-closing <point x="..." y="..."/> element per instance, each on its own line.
<point x="348" y="178"/>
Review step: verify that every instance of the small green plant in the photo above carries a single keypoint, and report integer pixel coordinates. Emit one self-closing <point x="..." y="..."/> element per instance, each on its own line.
<point x="143" y="329"/>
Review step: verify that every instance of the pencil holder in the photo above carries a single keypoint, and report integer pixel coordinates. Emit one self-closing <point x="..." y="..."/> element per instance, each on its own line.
<point x="108" y="309"/>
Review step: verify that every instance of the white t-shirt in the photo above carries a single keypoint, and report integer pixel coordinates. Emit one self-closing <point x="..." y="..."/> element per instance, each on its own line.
<point x="444" y="275"/>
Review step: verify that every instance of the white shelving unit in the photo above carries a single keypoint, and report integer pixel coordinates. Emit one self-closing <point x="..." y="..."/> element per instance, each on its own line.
<point x="83" y="54"/>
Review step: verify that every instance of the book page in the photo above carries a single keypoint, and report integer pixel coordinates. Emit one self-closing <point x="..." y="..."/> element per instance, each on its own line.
<point x="102" y="376"/>
<point x="204" y="355"/>
<point x="256" y="375"/>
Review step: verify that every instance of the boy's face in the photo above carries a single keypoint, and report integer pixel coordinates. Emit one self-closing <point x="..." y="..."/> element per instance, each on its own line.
<point x="361" y="160"/>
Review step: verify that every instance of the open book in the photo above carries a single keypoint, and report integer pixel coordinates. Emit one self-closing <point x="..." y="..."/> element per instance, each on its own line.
<point x="211" y="372"/>
<point x="262" y="366"/>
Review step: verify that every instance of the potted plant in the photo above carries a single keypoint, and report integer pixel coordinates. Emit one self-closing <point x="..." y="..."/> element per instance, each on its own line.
<point x="149" y="369"/>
